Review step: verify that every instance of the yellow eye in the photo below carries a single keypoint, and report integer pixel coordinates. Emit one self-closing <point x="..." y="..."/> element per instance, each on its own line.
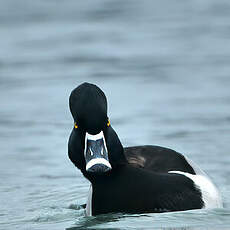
<point x="108" y="123"/>
<point x="75" y="125"/>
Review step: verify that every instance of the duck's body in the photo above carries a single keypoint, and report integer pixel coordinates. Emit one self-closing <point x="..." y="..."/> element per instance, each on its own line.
<point x="139" y="179"/>
<point x="156" y="179"/>
<point x="134" y="190"/>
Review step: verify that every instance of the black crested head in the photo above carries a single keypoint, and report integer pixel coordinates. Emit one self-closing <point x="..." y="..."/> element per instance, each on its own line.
<point x="88" y="106"/>
<point x="94" y="146"/>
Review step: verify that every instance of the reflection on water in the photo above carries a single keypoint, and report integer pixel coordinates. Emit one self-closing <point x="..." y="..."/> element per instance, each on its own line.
<point x="150" y="221"/>
<point x="164" y="67"/>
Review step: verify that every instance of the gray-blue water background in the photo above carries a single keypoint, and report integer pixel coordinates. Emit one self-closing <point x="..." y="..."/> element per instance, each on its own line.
<point x="165" y="68"/>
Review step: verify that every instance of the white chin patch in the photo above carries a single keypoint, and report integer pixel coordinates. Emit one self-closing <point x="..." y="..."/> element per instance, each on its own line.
<point x="95" y="161"/>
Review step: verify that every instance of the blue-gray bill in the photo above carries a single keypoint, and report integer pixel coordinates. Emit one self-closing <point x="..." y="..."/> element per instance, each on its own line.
<point x="96" y="154"/>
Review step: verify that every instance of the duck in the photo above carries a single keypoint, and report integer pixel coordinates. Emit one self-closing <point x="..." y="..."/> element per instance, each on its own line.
<point x="136" y="179"/>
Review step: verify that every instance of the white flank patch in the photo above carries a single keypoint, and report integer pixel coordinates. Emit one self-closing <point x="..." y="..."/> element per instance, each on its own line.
<point x="89" y="202"/>
<point x="210" y="195"/>
<point x="98" y="161"/>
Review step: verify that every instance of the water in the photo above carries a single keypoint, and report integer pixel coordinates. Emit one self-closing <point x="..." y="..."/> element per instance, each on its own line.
<point x="165" y="68"/>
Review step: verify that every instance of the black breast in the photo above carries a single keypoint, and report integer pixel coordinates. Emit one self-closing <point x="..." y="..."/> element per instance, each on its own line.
<point x="134" y="190"/>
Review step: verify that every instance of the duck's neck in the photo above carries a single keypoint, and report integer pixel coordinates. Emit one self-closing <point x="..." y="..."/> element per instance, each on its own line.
<point x="115" y="149"/>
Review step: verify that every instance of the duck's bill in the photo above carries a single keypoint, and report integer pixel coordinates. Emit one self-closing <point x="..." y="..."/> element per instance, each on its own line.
<point x="96" y="154"/>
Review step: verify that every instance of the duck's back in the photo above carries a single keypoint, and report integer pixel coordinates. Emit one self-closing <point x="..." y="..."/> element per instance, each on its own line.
<point x="157" y="159"/>
<point x="163" y="160"/>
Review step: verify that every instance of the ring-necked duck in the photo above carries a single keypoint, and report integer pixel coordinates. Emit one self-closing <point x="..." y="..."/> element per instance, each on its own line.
<point x="137" y="179"/>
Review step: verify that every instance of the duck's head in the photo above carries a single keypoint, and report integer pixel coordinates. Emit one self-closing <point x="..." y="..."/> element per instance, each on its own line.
<point x="94" y="146"/>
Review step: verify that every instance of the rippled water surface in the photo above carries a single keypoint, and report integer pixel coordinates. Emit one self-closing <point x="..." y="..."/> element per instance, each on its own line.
<point x="165" y="68"/>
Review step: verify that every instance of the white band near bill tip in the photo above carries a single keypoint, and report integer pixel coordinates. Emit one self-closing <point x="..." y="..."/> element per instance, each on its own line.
<point x="98" y="161"/>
